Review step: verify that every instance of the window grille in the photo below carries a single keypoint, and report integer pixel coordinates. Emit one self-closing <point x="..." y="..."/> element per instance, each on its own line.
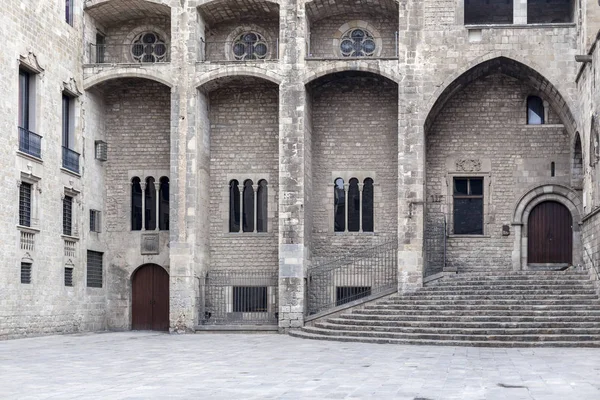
<point x="25" y="273"/>
<point x="68" y="276"/>
<point x="101" y="150"/>
<point x="68" y="216"/>
<point x="25" y="204"/>
<point x="468" y="206"/>
<point x="250" y="299"/>
<point x="94" y="269"/>
<point x="94" y="221"/>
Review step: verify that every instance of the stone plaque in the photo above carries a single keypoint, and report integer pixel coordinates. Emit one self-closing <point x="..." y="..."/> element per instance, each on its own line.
<point x="150" y="243"/>
<point x="468" y="165"/>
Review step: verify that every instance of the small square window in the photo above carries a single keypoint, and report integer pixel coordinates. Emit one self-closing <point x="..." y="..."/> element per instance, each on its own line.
<point x="68" y="276"/>
<point x="25" y="273"/>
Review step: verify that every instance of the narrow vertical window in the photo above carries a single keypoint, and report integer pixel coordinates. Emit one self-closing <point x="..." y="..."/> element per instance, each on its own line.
<point x="150" y="200"/>
<point x="353" y="206"/>
<point x="261" y="206"/>
<point x="136" y="204"/>
<point x="25" y="273"/>
<point x="163" y="205"/>
<point x="468" y="206"/>
<point x="68" y="216"/>
<point x="69" y="11"/>
<point x="552" y="169"/>
<point x="535" y="111"/>
<point x="100" y="48"/>
<point x="94" y="221"/>
<point x="234" y="206"/>
<point x="24" y="79"/>
<point x="66" y="121"/>
<point x="68" y="276"/>
<point x="25" y="204"/>
<point x="339" y="205"/>
<point x="94" y="269"/>
<point x="248" y="217"/>
<point x="367" y="206"/>
<point x="70" y="156"/>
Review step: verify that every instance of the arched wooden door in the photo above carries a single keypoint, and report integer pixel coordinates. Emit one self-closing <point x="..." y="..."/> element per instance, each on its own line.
<point x="150" y="299"/>
<point x="550" y="234"/>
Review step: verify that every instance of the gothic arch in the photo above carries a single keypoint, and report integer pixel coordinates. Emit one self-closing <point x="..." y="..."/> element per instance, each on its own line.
<point x="124" y="72"/>
<point x="510" y="64"/>
<point x="344" y="66"/>
<point x="210" y="79"/>
<point x="523" y="207"/>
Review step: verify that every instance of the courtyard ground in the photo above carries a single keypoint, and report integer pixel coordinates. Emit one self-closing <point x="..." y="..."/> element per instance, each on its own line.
<point x="143" y="365"/>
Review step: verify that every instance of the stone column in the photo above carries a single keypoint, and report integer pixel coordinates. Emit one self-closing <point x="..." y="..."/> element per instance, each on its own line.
<point x="143" y="186"/>
<point x="254" y="193"/>
<point x="157" y="202"/>
<point x="346" y="206"/>
<point x="360" y="203"/>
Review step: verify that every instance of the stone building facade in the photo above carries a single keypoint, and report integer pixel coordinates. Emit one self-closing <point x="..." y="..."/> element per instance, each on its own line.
<point x="238" y="145"/>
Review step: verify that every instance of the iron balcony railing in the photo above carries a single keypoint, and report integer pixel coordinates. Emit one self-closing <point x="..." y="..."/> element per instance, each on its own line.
<point x="30" y="143"/>
<point x="349" y="278"/>
<point x="239" y="50"/>
<point x="435" y="247"/>
<point x="70" y="159"/>
<point x="239" y="297"/>
<point x="143" y="53"/>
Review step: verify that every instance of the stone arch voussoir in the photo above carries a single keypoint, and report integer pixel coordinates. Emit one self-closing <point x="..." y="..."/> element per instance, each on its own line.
<point x="345" y="66"/>
<point x="237" y="70"/>
<point x="125" y="72"/>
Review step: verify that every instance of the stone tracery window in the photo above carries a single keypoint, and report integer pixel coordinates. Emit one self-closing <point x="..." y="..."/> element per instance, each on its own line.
<point x="250" y="46"/>
<point x="149" y="47"/>
<point x="248" y="208"/>
<point x="353" y="205"/>
<point x="357" y="43"/>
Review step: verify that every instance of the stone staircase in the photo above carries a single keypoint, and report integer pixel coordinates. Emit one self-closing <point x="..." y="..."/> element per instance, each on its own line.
<point x="510" y="309"/>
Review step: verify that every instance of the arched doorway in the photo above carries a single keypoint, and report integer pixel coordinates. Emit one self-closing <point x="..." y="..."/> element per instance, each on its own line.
<point x="550" y="235"/>
<point x="150" y="298"/>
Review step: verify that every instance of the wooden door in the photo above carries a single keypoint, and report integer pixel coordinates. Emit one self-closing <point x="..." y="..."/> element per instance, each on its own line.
<point x="550" y="234"/>
<point x="150" y="299"/>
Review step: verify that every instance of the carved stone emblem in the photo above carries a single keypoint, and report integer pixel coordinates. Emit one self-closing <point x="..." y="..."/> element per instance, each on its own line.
<point x="150" y="243"/>
<point x="468" y="165"/>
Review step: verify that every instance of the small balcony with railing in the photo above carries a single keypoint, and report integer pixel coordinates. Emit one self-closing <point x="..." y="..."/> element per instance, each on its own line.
<point x="30" y="143"/>
<point x="150" y="50"/>
<point x="70" y="160"/>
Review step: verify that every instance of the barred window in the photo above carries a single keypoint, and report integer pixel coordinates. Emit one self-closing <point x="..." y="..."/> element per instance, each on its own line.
<point x="25" y="273"/>
<point x="250" y="299"/>
<point x="68" y="276"/>
<point x="94" y="269"/>
<point x="468" y="206"/>
<point x="94" y="221"/>
<point x="25" y="204"/>
<point x="68" y="216"/>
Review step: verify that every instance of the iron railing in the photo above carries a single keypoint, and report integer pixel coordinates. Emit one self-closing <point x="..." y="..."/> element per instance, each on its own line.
<point x="352" y="277"/>
<point x="70" y="159"/>
<point x="239" y="297"/>
<point x="248" y="50"/>
<point x="30" y="143"/>
<point x="386" y="48"/>
<point x="435" y="247"/>
<point x="143" y="53"/>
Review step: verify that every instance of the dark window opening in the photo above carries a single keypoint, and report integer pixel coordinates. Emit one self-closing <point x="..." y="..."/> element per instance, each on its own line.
<point x="68" y="216"/>
<point x="353" y="206"/>
<point x="550" y="11"/>
<point x="552" y="168"/>
<point x="94" y="269"/>
<point x="468" y="206"/>
<point x="100" y="48"/>
<point x="67" y="141"/>
<point x="535" y="111"/>
<point x="367" y="206"/>
<point x="25" y="204"/>
<point x="339" y="205"/>
<point x="248" y="217"/>
<point x="347" y="294"/>
<point x="234" y="206"/>
<point x="136" y="204"/>
<point x="163" y="206"/>
<point x="68" y="276"/>
<point x="24" y="103"/>
<point x="261" y="207"/>
<point x="488" y="12"/>
<point x="94" y="221"/>
<point x="150" y="204"/>
<point x="250" y="299"/>
<point x="69" y="11"/>
<point x="25" y="273"/>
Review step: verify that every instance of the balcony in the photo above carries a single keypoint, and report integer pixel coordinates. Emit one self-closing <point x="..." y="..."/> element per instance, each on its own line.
<point x="30" y="143"/>
<point x="135" y="53"/>
<point x="70" y="160"/>
<point x="249" y="47"/>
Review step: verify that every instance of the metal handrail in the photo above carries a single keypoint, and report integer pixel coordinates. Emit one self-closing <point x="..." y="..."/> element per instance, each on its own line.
<point x="133" y="53"/>
<point x="30" y="142"/>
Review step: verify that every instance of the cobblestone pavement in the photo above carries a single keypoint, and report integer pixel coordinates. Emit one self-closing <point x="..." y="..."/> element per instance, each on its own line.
<point x="143" y="365"/>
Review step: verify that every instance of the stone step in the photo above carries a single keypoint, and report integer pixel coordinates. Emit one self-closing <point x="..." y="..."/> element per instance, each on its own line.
<point x="477" y="343"/>
<point x="509" y="280"/>
<point x="463" y="329"/>
<point x="481" y="310"/>
<point x="489" y="296"/>
<point x="476" y="318"/>
<point x="507" y="272"/>
<point x="457" y="336"/>
<point x="464" y="324"/>
<point x="497" y="304"/>
<point x="485" y="291"/>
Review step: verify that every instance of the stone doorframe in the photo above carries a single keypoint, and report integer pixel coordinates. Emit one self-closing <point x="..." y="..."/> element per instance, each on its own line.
<point x="547" y="192"/>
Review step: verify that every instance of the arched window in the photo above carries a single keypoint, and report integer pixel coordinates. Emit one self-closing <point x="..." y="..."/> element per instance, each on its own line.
<point x="248" y="217"/>
<point x="367" y="205"/>
<point x="150" y="204"/>
<point x="357" y="43"/>
<point x="339" y="205"/>
<point x="535" y="111"/>
<point x="250" y="46"/>
<point x="353" y="206"/>
<point x="136" y="204"/>
<point x="577" y="163"/>
<point x="163" y="205"/>
<point x="234" y="206"/>
<point x="149" y="47"/>
<point x="261" y="206"/>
